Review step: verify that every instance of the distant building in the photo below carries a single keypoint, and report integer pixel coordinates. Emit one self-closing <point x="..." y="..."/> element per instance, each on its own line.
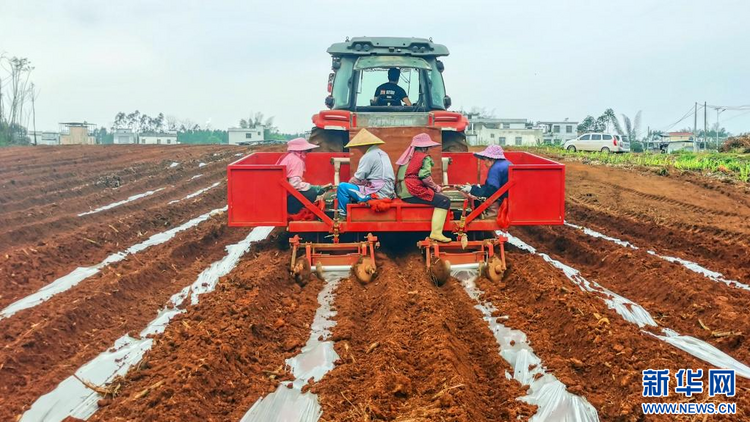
<point x="76" y="133"/>
<point x="124" y="136"/>
<point x="676" y="141"/>
<point x="245" y="136"/>
<point x="157" y="138"/>
<point x="558" y="132"/>
<point x="45" y="138"/>
<point x="502" y="132"/>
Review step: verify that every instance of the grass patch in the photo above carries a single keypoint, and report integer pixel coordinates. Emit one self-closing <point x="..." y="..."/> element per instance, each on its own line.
<point x="735" y="166"/>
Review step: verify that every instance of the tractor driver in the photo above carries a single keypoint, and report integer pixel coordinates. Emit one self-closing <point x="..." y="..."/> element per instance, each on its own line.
<point x="389" y="93"/>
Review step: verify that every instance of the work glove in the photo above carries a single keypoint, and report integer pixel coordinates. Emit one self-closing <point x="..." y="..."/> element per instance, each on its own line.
<point x="466" y="188"/>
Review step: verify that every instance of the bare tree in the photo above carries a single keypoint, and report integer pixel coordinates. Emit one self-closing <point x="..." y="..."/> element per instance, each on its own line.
<point x="17" y="91"/>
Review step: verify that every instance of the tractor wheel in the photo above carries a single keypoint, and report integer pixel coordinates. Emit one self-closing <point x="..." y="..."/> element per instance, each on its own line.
<point x="454" y="142"/>
<point x="329" y="140"/>
<point x="440" y="271"/>
<point x="494" y="269"/>
<point x="301" y="272"/>
<point x="364" y="270"/>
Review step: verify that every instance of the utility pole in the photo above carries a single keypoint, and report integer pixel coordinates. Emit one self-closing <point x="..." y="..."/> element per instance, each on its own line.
<point x="695" y="129"/>
<point x="705" y="125"/>
<point x="718" y="112"/>
<point x="33" y="110"/>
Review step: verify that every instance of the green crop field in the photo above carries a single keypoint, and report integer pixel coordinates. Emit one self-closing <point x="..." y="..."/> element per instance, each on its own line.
<point x="736" y="166"/>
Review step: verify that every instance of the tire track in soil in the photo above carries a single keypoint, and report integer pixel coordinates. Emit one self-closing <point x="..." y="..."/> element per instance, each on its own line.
<point x="677" y="297"/>
<point x="70" y="330"/>
<point x="707" y="249"/>
<point x="214" y="361"/>
<point x="26" y="270"/>
<point x="587" y="346"/>
<point x="412" y="351"/>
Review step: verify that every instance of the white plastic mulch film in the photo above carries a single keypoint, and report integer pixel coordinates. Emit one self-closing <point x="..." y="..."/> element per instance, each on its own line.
<point x="690" y="265"/>
<point x="76" y="276"/>
<point x="196" y="193"/>
<point x="314" y="361"/>
<point x="72" y="398"/>
<point x="636" y="314"/>
<point x="123" y="202"/>
<point x="553" y="401"/>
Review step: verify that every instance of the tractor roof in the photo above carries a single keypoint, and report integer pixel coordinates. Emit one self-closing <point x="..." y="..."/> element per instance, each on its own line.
<point x="364" y="46"/>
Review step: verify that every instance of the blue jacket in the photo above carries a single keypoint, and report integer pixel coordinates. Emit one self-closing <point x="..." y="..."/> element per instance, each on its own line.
<point x="496" y="178"/>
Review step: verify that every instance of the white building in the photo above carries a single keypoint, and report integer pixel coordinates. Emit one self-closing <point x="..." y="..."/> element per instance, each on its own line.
<point x="502" y="132"/>
<point x="157" y="138"/>
<point x="245" y="136"/>
<point x="558" y="132"/>
<point x="45" y="138"/>
<point x="124" y="136"/>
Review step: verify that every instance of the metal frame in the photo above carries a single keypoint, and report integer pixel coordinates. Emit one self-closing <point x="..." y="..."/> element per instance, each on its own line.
<point x="342" y="253"/>
<point x="472" y="252"/>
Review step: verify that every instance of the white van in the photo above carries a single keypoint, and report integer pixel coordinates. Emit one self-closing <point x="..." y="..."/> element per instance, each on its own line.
<point x="603" y="142"/>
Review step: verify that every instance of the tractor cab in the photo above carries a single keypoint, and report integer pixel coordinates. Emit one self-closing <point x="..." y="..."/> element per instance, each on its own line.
<point x="419" y="78"/>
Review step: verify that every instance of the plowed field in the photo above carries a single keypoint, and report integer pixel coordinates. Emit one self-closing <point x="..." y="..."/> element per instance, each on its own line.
<point x="125" y="297"/>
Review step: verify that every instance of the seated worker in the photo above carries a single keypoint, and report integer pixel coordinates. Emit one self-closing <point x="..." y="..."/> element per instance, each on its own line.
<point x="374" y="173"/>
<point x="415" y="184"/>
<point x="497" y="176"/>
<point x="294" y="160"/>
<point x="389" y="93"/>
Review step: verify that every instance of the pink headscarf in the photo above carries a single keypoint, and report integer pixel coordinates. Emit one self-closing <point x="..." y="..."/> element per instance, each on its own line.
<point x="294" y="162"/>
<point x="421" y="140"/>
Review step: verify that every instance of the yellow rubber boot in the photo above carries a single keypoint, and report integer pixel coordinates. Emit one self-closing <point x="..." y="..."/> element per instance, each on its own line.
<point x="438" y="220"/>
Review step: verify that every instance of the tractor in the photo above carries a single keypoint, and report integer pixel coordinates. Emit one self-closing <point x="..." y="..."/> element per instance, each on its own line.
<point x="258" y="190"/>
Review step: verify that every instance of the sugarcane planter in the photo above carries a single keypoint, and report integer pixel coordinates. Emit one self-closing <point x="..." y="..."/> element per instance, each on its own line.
<point x="259" y="191"/>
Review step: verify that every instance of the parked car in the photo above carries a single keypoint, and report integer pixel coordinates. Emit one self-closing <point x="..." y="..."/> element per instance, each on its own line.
<point x="603" y="142"/>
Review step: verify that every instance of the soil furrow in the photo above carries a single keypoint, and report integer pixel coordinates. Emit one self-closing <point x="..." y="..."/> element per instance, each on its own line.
<point x="45" y="344"/>
<point x="588" y="347"/>
<point x="27" y="269"/>
<point x="711" y="251"/>
<point x="412" y="351"/>
<point x="26" y="226"/>
<point x="677" y="297"/>
<point x="88" y="183"/>
<point x="213" y="362"/>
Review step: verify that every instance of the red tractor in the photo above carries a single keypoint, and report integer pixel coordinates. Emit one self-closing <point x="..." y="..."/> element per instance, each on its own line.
<point x="258" y="189"/>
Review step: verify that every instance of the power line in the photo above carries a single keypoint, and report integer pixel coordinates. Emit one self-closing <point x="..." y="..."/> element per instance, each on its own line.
<point x="738" y="115"/>
<point x="687" y="114"/>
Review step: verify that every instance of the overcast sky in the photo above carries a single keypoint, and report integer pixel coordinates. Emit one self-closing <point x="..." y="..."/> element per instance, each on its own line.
<point x="218" y="61"/>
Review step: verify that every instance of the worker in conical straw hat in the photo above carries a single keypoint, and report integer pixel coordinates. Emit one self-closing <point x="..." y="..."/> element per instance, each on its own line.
<point x="415" y="184"/>
<point x="374" y="175"/>
<point x="294" y="160"/>
<point x="497" y="176"/>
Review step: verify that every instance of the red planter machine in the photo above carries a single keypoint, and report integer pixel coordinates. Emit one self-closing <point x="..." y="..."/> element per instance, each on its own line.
<point x="258" y="192"/>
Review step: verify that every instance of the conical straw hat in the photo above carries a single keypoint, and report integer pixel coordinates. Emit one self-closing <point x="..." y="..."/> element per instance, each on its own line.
<point x="364" y="138"/>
